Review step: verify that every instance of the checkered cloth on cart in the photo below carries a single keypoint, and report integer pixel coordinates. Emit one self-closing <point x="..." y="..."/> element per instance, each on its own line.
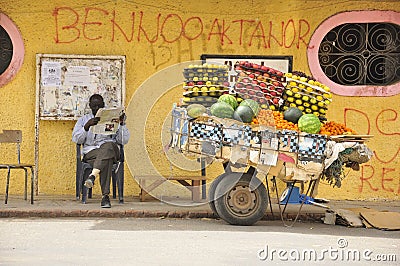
<point x="312" y="147"/>
<point x="237" y="135"/>
<point x="288" y="140"/>
<point x="309" y="147"/>
<point x="206" y="132"/>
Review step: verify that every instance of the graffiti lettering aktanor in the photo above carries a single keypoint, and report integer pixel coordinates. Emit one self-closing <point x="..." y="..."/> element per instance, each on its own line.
<point x="384" y="174"/>
<point x="71" y="25"/>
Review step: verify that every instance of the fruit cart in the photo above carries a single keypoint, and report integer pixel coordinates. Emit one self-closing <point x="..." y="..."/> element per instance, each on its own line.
<point x="239" y="196"/>
<point x="223" y="130"/>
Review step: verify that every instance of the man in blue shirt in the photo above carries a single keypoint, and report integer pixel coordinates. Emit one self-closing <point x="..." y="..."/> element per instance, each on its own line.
<point x="100" y="151"/>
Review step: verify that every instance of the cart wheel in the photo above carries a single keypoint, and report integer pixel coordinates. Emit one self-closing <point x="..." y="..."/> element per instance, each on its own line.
<point x="241" y="199"/>
<point x="211" y="192"/>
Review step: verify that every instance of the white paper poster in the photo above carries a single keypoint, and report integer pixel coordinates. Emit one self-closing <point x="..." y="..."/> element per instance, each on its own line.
<point x="77" y="75"/>
<point x="51" y="74"/>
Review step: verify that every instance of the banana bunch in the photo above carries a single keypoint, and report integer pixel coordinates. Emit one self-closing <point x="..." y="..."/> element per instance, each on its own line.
<point x="309" y="95"/>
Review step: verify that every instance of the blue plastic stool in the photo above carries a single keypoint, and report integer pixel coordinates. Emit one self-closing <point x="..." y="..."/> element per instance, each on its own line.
<point x="290" y="195"/>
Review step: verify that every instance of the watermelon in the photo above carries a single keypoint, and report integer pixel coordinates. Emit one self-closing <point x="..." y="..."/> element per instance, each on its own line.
<point x="195" y="110"/>
<point x="252" y="104"/>
<point x="230" y="99"/>
<point x="309" y="123"/>
<point x="244" y="114"/>
<point x="292" y="114"/>
<point x="222" y="110"/>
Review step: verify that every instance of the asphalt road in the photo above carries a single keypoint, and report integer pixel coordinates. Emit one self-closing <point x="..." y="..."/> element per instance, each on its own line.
<point x="134" y="241"/>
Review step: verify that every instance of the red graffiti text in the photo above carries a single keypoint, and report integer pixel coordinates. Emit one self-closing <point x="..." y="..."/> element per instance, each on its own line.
<point x="94" y="24"/>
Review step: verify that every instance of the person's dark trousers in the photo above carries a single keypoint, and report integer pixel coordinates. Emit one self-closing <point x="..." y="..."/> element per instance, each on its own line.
<point x="103" y="159"/>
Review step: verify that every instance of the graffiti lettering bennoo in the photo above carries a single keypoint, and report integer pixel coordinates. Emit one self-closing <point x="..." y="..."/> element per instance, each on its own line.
<point x="92" y="24"/>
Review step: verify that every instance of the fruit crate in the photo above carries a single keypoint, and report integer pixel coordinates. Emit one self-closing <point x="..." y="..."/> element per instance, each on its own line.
<point x="259" y="70"/>
<point x="207" y="80"/>
<point x="309" y="96"/>
<point x="206" y="72"/>
<point x="205" y="90"/>
<point x="262" y="91"/>
<point x="206" y="101"/>
<point x="260" y="83"/>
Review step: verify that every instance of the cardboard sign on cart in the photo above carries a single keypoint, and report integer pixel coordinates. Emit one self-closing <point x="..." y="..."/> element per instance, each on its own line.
<point x="353" y="138"/>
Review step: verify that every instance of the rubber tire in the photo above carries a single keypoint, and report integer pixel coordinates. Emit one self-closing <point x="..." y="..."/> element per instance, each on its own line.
<point x="230" y="183"/>
<point x="211" y="193"/>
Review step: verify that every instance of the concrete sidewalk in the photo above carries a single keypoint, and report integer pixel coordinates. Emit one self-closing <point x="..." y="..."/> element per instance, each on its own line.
<point x="68" y="206"/>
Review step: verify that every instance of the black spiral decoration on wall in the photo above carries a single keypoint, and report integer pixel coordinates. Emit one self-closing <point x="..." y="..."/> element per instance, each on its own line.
<point x="6" y="50"/>
<point x="361" y="54"/>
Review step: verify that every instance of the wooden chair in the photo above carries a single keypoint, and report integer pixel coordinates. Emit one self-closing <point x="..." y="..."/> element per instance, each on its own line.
<point x="15" y="136"/>
<point x="83" y="171"/>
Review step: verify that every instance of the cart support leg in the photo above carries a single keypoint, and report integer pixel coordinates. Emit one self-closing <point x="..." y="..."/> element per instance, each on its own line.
<point x="291" y="186"/>
<point x="227" y="167"/>
<point x="269" y="196"/>
<point x="203" y="182"/>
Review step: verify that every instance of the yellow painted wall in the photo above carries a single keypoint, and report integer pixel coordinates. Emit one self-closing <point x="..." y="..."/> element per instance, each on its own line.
<point x="129" y="28"/>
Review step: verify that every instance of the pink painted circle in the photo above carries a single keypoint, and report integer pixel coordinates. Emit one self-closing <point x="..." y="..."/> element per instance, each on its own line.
<point x="18" y="50"/>
<point x="338" y="19"/>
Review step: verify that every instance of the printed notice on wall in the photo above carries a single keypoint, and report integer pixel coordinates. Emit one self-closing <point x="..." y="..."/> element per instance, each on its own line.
<point x="77" y="75"/>
<point x="51" y="74"/>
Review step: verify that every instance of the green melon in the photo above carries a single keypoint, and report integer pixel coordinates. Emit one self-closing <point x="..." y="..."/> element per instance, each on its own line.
<point x="222" y="110"/>
<point x="309" y="123"/>
<point x="292" y="114"/>
<point x="230" y="99"/>
<point x="195" y="110"/>
<point x="252" y="104"/>
<point x="244" y="114"/>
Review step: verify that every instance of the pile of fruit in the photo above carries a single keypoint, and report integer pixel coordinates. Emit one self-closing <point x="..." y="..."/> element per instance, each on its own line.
<point x="265" y="96"/>
<point x="294" y="119"/>
<point x="204" y="83"/>
<point x="227" y="106"/>
<point x="249" y="111"/>
<point x="260" y="83"/>
<point x="307" y="94"/>
<point x="332" y="128"/>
